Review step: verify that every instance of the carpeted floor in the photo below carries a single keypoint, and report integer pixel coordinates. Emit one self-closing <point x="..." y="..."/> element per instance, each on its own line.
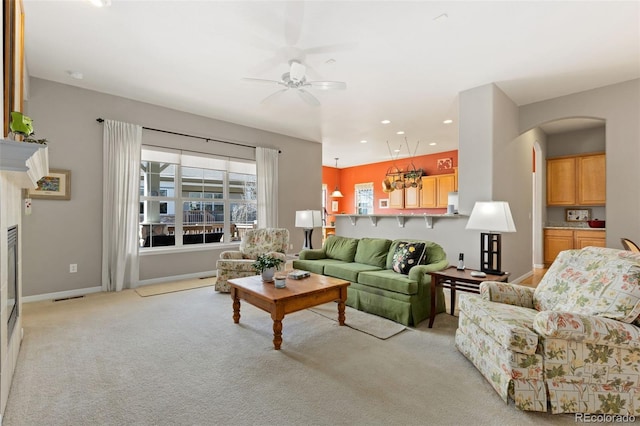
<point x="178" y="359"/>
<point x="156" y="289"/>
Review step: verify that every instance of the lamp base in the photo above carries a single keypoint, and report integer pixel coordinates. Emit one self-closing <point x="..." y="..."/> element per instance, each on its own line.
<point x="490" y="253"/>
<point x="307" y="239"/>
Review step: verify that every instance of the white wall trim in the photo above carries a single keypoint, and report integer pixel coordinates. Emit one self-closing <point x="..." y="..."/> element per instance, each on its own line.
<point x="522" y="278"/>
<point x="61" y="294"/>
<point x="98" y="289"/>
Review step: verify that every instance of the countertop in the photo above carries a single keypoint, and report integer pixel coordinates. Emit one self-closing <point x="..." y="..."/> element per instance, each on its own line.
<point x="581" y="228"/>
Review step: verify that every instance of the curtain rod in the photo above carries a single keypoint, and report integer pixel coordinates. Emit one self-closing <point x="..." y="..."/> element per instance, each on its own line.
<point x="101" y="120"/>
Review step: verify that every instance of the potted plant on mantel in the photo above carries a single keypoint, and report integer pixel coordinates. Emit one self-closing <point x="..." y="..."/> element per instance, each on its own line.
<point x="266" y="266"/>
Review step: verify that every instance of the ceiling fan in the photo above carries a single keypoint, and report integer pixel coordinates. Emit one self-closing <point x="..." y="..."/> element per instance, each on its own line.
<point x="296" y="79"/>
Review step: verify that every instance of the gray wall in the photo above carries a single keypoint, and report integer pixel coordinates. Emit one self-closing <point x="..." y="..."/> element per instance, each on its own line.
<point x="619" y="105"/>
<point x="58" y="233"/>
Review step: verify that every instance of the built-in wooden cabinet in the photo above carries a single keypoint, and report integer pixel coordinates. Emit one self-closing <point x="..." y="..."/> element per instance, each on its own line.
<point x="576" y="180"/>
<point x="411" y="198"/>
<point x="396" y="199"/>
<point x="557" y="240"/>
<point x="435" y="190"/>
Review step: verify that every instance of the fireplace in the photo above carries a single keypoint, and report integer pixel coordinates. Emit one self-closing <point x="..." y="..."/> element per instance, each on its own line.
<point x="12" y="279"/>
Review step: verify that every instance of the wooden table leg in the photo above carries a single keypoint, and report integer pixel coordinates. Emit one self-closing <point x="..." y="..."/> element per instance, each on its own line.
<point x="236" y="305"/>
<point x="341" y="312"/>
<point x="453" y="296"/>
<point x="432" y="314"/>
<point x="277" y="315"/>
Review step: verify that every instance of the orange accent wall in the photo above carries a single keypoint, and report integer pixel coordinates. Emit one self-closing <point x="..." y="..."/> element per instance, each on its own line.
<point x="348" y="177"/>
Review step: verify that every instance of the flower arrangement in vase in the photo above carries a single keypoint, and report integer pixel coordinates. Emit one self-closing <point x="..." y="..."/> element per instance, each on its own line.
<point x="266" y="266"/>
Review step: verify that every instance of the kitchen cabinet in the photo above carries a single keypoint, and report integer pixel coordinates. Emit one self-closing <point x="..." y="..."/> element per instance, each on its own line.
<point x="396" y="199"/>
<point x="435" y="190"/>
<point x="576" y="180"/>
<point x="557" y="240"/>
<point x="411" y="198"/>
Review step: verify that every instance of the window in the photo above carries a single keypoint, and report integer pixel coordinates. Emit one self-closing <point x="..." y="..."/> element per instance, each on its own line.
<point x="188" y="199"/>
<point x="364" y="198"/>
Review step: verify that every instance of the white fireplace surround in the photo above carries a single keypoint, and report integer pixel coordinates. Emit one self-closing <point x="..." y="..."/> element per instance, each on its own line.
<point x="22" y="164"/>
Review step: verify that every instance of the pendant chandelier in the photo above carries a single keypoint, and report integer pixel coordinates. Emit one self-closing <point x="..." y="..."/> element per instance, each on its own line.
<point x="336" y="192"/>
<point x="398" y="179"/>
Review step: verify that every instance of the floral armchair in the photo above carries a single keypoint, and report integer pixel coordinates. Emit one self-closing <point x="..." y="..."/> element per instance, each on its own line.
<point x="572" y="343"/>
<point x="238" y="263"/>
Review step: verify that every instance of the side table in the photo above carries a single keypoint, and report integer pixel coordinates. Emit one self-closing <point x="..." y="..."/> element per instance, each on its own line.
<point x="454" y="279"/>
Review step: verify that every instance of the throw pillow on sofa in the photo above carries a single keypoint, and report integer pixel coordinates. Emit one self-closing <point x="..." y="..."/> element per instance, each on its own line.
<point x="407" y="255"/>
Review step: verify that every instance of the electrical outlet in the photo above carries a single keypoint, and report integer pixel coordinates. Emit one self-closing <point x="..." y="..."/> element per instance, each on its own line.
<point x="73" y="268"/>
<point x="290" y="246"/>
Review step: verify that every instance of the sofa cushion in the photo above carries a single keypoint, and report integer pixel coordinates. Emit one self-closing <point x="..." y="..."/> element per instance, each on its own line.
<point x="407" y="255"/>
<point x="372" y="251"/>
<point x="341" y="248"/>
<point x="593" y="281"/>
<point x="315" y="266"/>
<point x="386" y="279"/>
<point x="511" y="326"/>
<point x="347" y="271"/>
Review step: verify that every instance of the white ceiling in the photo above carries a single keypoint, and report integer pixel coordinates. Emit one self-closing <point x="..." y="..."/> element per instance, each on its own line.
<point x="399" y="62"/>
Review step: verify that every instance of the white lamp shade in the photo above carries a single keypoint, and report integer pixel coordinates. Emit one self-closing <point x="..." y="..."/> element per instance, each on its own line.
<point x="308" y="219"/>
<point x="491" y="216"/>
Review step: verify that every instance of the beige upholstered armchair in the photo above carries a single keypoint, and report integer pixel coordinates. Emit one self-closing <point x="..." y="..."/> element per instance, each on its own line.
<point x="238" y="264"/>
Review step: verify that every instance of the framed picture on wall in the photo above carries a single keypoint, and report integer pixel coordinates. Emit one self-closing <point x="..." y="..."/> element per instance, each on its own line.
<point x="334" y="206"/>
<point x="383" y="203"/>
<point x="55" y="186"/>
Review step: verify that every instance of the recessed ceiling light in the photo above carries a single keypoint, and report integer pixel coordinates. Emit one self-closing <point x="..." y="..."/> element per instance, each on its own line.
<point x="75" y="74"/>
<point x="363" y="141"/>
<point x="330" y="61"/>
<point x="400" y="132"/>
<point x="433" y="144"/>
<point x="386" y="121"/>
<point x="448" y="121"/>
<point x="396" y="150"/>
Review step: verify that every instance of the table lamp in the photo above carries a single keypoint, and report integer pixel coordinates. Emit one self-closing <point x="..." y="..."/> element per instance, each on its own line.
<point x="308" y="219"/>
<point x="493" y="217"/>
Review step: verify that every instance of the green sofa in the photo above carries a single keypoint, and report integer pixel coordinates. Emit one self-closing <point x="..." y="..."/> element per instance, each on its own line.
<point x="375" y="287"/>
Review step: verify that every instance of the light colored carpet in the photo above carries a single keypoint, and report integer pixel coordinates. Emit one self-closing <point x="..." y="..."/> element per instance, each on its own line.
<point x="155" y="289"/>
<point x="178" y="359"/>
<point x="379" y="327"/>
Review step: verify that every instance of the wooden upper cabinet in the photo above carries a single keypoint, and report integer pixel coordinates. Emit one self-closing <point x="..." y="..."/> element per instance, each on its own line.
<point x="561" y="181"/>
<point x="411" y="198"/>
<point x="436" y="188"/>
<point x="576" y="180"/>
<point x="429" y="193"/>
<point x="396" y="199"/>
<point x="592" y="180"/>
<point x="446" y="184"/>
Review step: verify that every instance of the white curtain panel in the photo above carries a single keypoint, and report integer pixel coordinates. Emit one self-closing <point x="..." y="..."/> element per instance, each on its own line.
<point x="267" y="175"/>
<point x="121" y="179"/>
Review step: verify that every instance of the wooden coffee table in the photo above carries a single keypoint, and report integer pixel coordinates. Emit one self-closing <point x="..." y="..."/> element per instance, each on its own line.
<point x="296" y="296"/>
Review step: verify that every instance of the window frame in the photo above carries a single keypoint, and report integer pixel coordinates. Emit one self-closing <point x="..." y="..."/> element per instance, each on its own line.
<point x="232" y="166"/>
<point x="359" y="188"/>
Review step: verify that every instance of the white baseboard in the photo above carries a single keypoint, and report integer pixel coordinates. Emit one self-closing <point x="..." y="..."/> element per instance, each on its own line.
<point x="536" y="266"/>
<point x="84" y="291"/>
<point x="521" y="278"/>
<point x="161" y="280"/>
<point x="61" y="294"/>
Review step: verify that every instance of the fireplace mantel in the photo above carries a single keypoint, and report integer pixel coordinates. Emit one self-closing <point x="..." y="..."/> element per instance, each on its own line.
<point x="23" y="162"/>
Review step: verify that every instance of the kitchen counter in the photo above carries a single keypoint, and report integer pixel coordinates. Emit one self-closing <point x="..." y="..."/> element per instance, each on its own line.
<point x="581" y="228"/>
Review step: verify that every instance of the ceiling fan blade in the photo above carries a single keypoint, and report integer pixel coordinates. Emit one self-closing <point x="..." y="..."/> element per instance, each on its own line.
<point x="273" y="96"/>
<point x="294" y="15"/>
<point x="308" y="97"/>
<point x="263" y="81"/>
<point x="330" y="48"/>
<point x="327" y="85"/>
